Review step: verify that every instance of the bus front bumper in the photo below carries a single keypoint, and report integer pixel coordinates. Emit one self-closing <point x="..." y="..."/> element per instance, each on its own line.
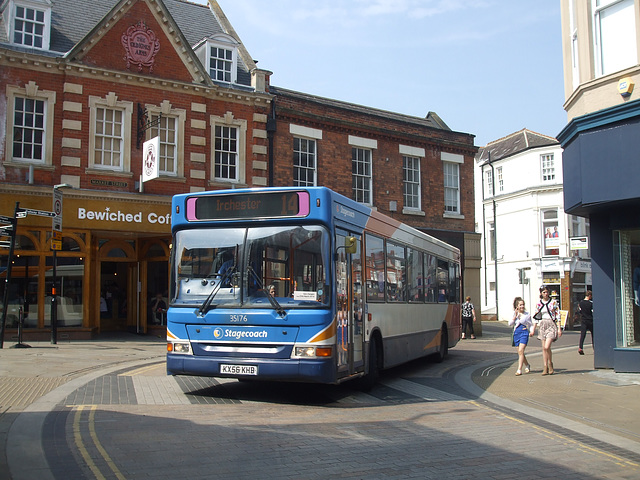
<point x="317" y="370"/>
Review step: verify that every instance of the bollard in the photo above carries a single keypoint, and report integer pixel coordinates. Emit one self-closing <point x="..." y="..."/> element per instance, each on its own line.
<point x="20" y="324"/>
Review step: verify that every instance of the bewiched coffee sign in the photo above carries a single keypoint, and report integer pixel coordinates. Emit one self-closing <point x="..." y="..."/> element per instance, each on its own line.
<point x="248" y="205"/>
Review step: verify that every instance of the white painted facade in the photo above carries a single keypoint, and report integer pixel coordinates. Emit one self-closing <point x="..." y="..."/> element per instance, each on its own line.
<point x="525" y="205"/>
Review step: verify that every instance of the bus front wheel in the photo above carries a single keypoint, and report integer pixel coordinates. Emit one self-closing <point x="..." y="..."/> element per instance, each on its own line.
<point x="369" y="380"/>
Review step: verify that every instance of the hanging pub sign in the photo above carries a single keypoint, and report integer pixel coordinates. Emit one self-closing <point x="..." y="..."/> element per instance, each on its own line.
<point x="141" y="46"/>
<point x="150" y="151"/>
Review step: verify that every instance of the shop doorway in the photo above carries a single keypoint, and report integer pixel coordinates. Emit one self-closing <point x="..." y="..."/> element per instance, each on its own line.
<point x="118" y="299"/>
<point x="118" y="285"/>
<point x="132" y="275"/>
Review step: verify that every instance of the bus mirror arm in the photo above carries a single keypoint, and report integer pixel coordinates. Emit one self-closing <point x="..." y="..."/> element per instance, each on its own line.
<point x="350" y="245"/>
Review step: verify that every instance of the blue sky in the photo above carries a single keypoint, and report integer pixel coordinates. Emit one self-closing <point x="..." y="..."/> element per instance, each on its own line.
<point x="486" y="67"/>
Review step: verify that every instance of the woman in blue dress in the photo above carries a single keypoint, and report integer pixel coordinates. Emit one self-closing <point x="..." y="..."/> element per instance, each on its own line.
<point x="522" y="330"/>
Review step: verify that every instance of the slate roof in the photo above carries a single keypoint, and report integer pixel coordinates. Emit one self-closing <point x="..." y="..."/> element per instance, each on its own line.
<point x="432" y="120"/>
<point x="513" y="144"/>
<point x="69" y="27"/>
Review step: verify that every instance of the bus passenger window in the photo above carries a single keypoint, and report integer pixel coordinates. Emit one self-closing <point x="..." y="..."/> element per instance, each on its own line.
<point x="443" y="281"/>
<point x="374" y="268"/>
<point x="396" y="273"/>
<point x="430" y="282"/>
<point x="415" y="277"/>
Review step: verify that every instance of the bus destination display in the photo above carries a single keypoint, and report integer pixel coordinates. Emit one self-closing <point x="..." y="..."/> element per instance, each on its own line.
<point x="248" y="205"/>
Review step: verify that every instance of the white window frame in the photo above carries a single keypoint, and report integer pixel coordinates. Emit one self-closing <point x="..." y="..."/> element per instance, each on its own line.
<point x="111" y="102"/>
<point x="241" y="139"/>
<point x="35" y="6"/>
<point x="31" y="91"/>
<point x="575" y="58"/>
<point x="310" y="136"/>
<point x="222" y="65"/>
<point x="361" y="177"/>
<point x="411" y="186"/>
<point x="177" y="144"/>
<point x="489" y="179"/>
<point x="366" y="146"/>
<point x="224" y="42"/>
<point x="615" y="49"/>
<point x="547" y="168"/>
<point x="451" y="177"/>
<point x="302" y="159"/>
<point x="500" y="179"/>
<point x="551" y="222"/>
<point x="413" y="154"/>
<point x="491" y="247"/>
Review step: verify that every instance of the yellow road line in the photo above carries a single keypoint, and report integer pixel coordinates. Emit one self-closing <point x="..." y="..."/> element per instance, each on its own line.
<point x="557" y="436"/>
<point x="94" y="437"/>
<point x="83" y="450"/>
<point x="103" y="452"/>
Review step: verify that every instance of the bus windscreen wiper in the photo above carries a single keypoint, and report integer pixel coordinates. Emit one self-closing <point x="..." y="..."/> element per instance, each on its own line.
<point x="216" y="288"/>
<point x="274" y="303"/>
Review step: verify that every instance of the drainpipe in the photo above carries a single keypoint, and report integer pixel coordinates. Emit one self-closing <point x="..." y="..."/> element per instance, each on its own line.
<point x="495" y="230"/>
<point x="484" y="243"/>
<point x="271" y="130"/>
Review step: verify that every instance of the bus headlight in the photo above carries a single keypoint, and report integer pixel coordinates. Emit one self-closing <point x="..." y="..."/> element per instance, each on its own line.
<point x="313" y="352"/>
<point x="305" y="352"/>
<point x="183" y="348"/>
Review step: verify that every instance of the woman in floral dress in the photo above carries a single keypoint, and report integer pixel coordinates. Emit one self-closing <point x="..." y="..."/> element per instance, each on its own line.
<point x="546" y="319"/>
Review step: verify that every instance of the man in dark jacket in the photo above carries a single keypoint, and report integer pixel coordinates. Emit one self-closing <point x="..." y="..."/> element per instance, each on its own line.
<point x="586" y="319"/>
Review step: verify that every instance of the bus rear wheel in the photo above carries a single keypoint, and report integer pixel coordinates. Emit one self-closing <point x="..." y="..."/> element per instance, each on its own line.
<point x="444" y="345"/>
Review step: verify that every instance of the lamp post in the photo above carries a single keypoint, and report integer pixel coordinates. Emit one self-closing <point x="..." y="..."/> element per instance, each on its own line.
<point x="56" y="244"/>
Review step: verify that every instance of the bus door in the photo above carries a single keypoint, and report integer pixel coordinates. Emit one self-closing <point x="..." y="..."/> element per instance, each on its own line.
<point x="349" y="306"/>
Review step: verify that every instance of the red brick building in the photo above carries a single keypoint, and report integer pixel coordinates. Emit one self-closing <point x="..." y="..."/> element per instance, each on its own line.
<point x="83" y="84"/>
<point x="416" y="170"/>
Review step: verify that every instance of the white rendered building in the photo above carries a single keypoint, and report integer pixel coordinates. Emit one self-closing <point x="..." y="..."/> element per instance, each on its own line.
<point x="528" y="240"/>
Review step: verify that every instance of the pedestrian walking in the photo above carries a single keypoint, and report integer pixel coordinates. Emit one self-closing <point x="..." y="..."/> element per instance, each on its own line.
<point x="468" y="317"/>
<point x="586" y="319"/>
<point x="546" y="319"/>
<point x="522" y="330"/>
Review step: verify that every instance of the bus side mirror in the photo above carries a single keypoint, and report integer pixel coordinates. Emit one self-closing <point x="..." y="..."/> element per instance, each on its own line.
<point x="350" y="245"/>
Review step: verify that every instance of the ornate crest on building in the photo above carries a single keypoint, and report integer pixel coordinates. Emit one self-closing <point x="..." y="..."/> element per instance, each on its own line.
<point x="141" y="46"/>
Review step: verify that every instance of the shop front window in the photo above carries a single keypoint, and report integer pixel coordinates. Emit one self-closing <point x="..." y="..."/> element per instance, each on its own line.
<point x="627" y="287"/>
<point x="551" y="234"/>
<point x="70" y="282"/>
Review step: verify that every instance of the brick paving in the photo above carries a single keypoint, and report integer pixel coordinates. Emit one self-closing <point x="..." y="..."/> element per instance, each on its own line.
<point x="115" y="414"/>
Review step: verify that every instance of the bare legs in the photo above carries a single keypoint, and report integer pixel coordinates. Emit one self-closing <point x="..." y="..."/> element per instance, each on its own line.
<point x="547" y="359"/>
<point x="522" y="360"/>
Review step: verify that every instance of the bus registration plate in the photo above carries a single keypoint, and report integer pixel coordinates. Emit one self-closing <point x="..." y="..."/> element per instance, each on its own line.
<point x="239" y="369"/>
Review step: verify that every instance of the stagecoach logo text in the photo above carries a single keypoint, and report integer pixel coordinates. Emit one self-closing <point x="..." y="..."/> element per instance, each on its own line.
<point x="347" y="213"/>
<point x="107" y="215"/>
<point x="238" y="334"/>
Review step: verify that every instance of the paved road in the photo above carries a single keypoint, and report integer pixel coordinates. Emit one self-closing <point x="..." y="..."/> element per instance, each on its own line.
<point x="468" y="417"/>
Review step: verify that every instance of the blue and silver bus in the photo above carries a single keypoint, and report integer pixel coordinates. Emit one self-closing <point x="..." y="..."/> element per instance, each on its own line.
<point x="304" y="284"/>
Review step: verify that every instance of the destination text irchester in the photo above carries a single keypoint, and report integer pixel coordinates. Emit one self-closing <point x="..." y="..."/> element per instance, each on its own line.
<point x="231" y="205"/>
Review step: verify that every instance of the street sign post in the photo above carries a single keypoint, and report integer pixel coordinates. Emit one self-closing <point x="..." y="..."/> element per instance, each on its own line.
<point x="56" y="244"/>
<point x="33" y="211"/>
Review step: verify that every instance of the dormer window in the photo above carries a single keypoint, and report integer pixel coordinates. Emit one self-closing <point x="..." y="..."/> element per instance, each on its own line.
<point x="221" y="66"/>
<point x="29" y="23"/>
<point x="219" y="55"/>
